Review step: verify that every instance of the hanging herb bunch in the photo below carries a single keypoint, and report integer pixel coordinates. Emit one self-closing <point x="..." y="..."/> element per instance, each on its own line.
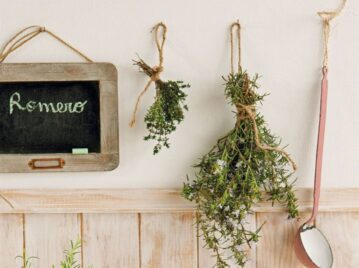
<point x="244" y="167"/>
<point x="167" y="111"/>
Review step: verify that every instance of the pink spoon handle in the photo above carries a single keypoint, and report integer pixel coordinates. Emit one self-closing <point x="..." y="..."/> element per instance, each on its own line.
<point x="320" y="145"/>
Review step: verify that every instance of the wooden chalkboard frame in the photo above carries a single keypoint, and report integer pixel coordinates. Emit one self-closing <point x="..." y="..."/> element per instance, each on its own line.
<point x="106" y="74"/>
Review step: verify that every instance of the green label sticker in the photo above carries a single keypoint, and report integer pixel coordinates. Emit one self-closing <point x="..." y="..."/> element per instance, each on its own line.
<point x="80" y="150"/>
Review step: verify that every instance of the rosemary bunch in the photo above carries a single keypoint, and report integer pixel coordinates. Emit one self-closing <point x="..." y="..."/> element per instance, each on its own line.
<point x="236" y="174"/>
<point x="167" y="111"/>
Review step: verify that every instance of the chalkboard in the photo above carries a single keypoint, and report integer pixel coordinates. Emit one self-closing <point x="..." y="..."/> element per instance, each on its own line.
<point x="58" y="117"/>
<point x="49" y="117"/>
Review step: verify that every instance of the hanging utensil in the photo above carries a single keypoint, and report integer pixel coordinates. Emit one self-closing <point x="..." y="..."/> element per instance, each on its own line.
<point x="311" y="246"/>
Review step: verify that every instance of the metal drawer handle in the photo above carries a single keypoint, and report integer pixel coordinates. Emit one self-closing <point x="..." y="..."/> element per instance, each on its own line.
<point x="46" y="163"/>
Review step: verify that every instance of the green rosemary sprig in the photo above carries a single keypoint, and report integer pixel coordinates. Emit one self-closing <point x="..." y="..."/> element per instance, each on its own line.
<point x="167" y="111"/>
<point x="26" y="262"/>
<point x="70" y="255"/>
<point x="68" y="262"/>
<point x="235" y="175"/>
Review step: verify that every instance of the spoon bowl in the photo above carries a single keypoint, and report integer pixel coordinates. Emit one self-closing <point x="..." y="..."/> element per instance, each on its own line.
<point x="312" y="248"/>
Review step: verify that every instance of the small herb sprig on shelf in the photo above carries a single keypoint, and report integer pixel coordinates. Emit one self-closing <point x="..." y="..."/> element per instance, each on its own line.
<point x="70" y="260"/>
<point x="167" y="111"/>
<point x="70" y="255"/>
<point x="26" y="262"/>
<point x="244" y="167"/>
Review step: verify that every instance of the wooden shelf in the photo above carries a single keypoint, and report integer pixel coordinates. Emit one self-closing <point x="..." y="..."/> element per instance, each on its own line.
<point x="149" y="200"/>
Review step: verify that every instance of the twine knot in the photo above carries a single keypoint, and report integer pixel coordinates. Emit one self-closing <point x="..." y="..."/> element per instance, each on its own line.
<point x="157" y="70"/>
<point x="242" y="112"/>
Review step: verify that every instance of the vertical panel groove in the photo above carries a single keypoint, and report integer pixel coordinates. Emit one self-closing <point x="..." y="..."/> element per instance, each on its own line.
<point x="256" y="244"/>
<point x="197" y="237"/>
<point x="139" y="241"/>
<point x="81" y="216"/>
<point x="23" y="241"/>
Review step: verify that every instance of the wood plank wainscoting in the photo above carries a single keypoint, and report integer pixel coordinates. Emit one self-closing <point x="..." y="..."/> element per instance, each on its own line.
<point x="154" y="228"/>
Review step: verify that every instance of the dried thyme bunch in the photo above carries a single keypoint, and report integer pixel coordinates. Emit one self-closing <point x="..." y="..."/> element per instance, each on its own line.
<point x="167" y="111"/>
<point x="243" y="168"/>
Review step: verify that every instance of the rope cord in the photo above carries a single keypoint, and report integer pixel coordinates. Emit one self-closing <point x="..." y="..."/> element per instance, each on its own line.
<point x="155" y="71"/>
<point x="27" y="34"/>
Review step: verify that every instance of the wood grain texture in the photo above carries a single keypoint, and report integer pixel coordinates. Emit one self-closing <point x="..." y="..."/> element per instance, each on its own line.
<point x="341" y="229"/>
<point x="11" y="240"/>
<point x="57" y="72"/>
<point x="48" y="235"/>
<point x="151" y="200"/>
<point x="207" y="260"/>
<point x="275" y="247"/>
<point x="168" y="241"/>
<point x="111" y="240"/>
<point x="93" y="201"/>
<point x="106" y="74"/>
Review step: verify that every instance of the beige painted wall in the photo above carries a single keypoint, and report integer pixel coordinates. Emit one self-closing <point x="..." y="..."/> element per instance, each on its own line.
<point x="281" y="41"/>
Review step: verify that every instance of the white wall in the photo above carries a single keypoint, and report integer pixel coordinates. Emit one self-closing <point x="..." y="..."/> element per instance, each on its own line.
<point x="282" y="41"/>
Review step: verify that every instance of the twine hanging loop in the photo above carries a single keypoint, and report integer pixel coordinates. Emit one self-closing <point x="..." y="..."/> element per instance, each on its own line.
<point x="326" y="17"/>
<point x="160" y="44"/>
<point x="237" y="28"/>
<point x="27" y="34"/>
<point x="152" y="72"/>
